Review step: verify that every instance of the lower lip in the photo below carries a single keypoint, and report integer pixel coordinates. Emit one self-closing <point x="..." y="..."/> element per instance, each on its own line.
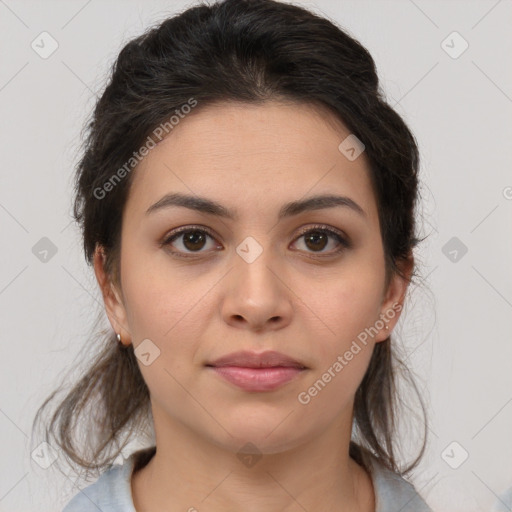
<point x="257" y="379"/>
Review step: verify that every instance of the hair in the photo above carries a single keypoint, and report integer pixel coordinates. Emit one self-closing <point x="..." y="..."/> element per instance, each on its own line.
<point x="248" y="51"/>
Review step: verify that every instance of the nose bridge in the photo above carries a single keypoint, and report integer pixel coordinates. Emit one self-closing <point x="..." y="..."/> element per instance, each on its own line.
<point x="256" y="292"/>
<point x="253" y="265"/>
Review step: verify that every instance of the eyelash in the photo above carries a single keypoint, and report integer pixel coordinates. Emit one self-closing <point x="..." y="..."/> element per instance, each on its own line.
<point x="320" y="228"/>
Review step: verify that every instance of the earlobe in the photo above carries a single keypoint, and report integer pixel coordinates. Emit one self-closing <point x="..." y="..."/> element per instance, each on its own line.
<point x="388" y="319"/>
<point x="392" y="305"/>
<point x="114" y="306"/>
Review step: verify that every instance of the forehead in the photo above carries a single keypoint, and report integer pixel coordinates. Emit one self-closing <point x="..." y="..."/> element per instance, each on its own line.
<point x="249" y="155"/>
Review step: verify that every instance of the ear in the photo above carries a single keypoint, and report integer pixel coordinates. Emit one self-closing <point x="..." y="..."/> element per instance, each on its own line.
<point x="114" y="306"/>
<point x="392" y="304"/>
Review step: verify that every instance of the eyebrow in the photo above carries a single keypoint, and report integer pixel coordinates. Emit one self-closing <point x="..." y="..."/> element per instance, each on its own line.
<point x="208" y="206"/>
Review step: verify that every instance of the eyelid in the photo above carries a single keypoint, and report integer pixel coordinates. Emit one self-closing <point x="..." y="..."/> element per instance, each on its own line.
<point x="325" y="227"/>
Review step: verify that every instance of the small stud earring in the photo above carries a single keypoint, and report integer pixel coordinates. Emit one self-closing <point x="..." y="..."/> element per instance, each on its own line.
<point x="118" y="336"/>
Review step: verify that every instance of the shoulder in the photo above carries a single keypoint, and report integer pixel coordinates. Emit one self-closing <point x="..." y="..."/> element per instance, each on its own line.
<point x="393" y="492"/>
<point x="503" y="502"/>
<point x="110" y="493"/>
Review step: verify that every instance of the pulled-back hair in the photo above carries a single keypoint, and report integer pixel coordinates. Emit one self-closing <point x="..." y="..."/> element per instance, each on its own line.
<point x="249" y="51"/>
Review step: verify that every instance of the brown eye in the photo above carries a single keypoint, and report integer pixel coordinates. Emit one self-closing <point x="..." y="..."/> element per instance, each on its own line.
<point x="194" y="240"/>
<point x="188" y="240"/>
<point x="316" y="239"/>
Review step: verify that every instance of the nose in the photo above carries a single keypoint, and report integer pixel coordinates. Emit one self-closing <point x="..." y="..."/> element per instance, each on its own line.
<point x="256" y="296"/>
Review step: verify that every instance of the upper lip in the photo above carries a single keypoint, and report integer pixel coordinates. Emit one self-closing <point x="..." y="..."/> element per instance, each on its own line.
<point x="249" y="359"/>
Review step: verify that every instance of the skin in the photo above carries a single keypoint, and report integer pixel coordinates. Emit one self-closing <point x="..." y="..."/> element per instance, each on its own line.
<point x="253" y="159"/>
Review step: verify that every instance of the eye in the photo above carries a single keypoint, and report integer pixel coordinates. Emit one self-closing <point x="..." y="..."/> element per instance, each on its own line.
<point x="317" y="238"/>
<point x="193" y="239"/>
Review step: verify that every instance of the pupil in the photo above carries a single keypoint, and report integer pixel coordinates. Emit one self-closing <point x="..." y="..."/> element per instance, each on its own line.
<point x="315" y="238"/>
<point x="192" y="237"/>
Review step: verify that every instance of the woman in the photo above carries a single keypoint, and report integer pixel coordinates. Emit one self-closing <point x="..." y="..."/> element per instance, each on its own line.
<point x="247" y="200"/>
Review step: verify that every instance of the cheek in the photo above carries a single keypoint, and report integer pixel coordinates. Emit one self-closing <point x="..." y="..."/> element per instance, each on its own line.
<point x="165" y="309"/>
<point x="344" y="350"/>
<point x="346" y="305"/>
<point x="160" y="301"/>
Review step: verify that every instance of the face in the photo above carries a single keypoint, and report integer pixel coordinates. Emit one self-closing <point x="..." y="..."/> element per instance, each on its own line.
<point x="306" y="282"/>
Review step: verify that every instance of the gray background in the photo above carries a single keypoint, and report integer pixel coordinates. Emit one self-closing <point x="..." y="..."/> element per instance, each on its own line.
<point x="456" y="329"/>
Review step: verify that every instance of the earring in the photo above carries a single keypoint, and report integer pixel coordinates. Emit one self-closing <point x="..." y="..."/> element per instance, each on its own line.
<point x="118" y="336"/>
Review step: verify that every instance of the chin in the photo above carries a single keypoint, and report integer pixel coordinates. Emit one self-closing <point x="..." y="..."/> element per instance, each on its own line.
<point x="262" y="436"/>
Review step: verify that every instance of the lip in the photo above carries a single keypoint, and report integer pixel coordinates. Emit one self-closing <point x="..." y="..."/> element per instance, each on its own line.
<point x="248" y="359"/>
<point x="257" y="372"/>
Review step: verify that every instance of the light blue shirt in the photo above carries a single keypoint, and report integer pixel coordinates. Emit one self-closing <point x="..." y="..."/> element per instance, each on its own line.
<point x="504" y="502"/>
<point x="112" y="491"/>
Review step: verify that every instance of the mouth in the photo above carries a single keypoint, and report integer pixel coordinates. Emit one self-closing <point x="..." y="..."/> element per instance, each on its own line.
<point x="248" y="359"/>
<point x="255" y="372"/>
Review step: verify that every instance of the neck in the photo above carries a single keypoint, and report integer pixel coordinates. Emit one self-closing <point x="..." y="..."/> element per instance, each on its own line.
<point x="189" y="472"/>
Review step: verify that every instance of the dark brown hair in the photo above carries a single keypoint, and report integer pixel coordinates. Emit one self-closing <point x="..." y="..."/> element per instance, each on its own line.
<point x="248" y="51"/>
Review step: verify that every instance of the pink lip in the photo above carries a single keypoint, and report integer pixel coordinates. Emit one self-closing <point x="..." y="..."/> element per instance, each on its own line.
<point x="249" y="359"/>
<point x="253" y="371"/>
<point x="257" y="379"/>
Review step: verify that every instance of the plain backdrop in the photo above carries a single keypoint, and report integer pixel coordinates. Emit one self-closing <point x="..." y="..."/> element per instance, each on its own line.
<point x="456" y="329"/>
